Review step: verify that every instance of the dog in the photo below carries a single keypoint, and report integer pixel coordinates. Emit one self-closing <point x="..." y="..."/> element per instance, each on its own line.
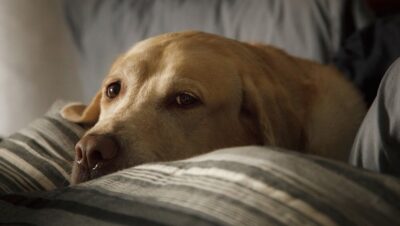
<point x="182" y="94"/>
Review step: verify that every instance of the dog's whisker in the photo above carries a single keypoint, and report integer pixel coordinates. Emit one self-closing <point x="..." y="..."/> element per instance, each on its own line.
<point x="95" y="167"/>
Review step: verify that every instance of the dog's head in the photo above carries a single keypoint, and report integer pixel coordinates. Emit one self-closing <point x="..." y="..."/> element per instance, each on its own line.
<point x="182" y="94"/>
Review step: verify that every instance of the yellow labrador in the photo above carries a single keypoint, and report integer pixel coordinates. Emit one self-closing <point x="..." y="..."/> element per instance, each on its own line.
<point x="182" y="94"/>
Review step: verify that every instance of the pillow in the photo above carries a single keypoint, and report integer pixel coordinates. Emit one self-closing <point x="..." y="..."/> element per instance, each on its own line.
<point x="235" y="186"/>
<point x="39" y="157"/>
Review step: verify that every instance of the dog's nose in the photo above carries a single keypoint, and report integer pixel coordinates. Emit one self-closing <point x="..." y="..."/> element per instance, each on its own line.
<point x="94" y="149"/>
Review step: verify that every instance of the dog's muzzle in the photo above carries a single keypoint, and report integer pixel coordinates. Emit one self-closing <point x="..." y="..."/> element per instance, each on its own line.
<point x="94" y="155"/>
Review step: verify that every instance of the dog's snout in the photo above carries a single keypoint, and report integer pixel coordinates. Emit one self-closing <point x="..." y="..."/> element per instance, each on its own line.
<point x="93" y="150"/>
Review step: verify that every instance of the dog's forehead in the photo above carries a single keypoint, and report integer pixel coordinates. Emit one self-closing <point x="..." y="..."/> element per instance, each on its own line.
<point x="184" y="43"/>
<point x="129" y="64"/>
<point x="180" y="57"/>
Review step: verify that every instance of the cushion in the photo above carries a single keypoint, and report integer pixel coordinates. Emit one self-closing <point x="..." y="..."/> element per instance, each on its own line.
<point x="39" y="156"/>
<point x="235" y="186"/>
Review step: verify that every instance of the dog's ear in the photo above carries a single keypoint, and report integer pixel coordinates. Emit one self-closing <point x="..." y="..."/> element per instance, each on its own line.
<point x="82" y="114"/>
<point x="274" y="98"/>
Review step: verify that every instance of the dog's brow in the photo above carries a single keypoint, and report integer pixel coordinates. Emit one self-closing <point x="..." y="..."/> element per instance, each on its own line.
<point x="130" y="65"/>
<point x="187" y="83"/>
<point x="136" y="71"/>
<point x="139" y="68"/>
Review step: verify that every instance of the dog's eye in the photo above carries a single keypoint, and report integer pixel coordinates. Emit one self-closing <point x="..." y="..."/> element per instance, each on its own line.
<point x="113" y="90"/>
<point x="186" y="99"/>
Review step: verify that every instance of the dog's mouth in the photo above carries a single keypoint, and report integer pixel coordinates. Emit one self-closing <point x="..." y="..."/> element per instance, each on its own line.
<point x="81" y="173"/>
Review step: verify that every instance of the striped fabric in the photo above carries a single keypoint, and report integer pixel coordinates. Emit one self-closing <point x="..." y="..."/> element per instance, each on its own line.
<point x="236" y="186"/>
<point x="39" y="157"/>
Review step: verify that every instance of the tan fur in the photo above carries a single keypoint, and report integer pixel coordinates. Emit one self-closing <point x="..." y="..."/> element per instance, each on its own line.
<point x="251" y="94"/>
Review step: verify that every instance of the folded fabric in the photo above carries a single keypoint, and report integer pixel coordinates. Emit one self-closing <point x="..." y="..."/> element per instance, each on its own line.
<point x="377" y="144"/>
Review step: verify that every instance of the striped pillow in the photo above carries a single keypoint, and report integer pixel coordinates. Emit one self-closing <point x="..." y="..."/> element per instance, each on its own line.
<point x="237" y="186"/>
<point x="39" y="157"/>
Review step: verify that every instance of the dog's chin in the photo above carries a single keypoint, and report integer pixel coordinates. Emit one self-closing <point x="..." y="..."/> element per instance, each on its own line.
<point x="82" y="174"/>
<point x="79" y="174"/>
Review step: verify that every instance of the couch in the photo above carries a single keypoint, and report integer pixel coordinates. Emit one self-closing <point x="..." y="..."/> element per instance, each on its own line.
<point x="236" y="186"/>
